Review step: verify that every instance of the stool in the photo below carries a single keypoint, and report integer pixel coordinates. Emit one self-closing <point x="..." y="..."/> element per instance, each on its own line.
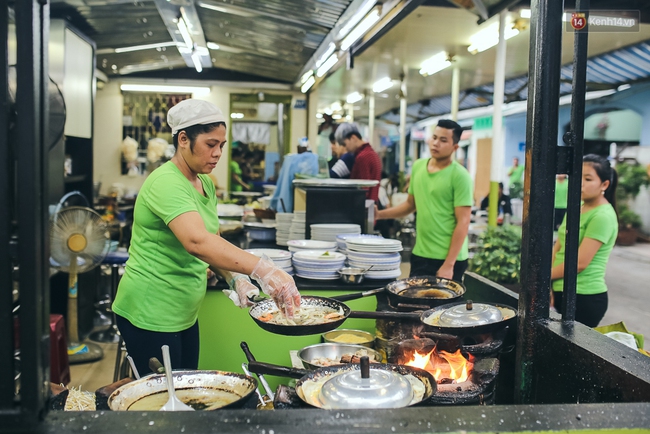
<point x="115" y="260"/>
<point x="59" y="362"/>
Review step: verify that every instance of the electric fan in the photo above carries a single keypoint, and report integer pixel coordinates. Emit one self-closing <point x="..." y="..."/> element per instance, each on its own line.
<point x="78" y="243"/>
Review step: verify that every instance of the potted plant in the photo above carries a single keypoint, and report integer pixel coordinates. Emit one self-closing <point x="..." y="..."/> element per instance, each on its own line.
<point x="498" y="256"/>
<point x="631" y="177"/>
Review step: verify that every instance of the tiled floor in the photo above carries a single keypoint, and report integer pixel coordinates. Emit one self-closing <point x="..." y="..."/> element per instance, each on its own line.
<point x="92" y="376"/>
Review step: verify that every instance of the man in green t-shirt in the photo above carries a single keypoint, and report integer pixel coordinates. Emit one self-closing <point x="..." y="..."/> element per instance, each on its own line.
<point x="441" y="192"/>
<point x="516" y="173"/>
<point x="236" y="181"/>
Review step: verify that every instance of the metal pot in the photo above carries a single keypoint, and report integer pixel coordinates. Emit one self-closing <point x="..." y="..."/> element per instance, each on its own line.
<point x="310" y="384"/>
<point x="332" y="353"/>
<point x="202" y="390"/>
<point x="352" y="274"/>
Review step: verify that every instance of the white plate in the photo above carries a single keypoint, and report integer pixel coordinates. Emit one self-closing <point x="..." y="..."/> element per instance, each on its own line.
<point x="335" y="226"/>
<point x="312" y="244"/>
<point x="230" y="210"/>
<point x="394" y="274"/>
<point x="316" y="278"/>
<point x="271" y="253"/>
<point x="374" y="242"/>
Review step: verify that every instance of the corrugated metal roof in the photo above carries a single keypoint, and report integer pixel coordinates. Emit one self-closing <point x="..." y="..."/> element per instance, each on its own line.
<point x="624" y="65"/>
<point x="273" y="39"/>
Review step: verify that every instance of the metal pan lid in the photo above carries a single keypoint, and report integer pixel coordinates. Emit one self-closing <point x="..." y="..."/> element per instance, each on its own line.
<point x="470" y="314"/>
<point x="366" y="388"/>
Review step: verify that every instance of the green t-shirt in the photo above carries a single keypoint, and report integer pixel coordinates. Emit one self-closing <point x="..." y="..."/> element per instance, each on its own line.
<point x="561" y="193"/>
<point x="163" y="285"/>
<point x="436" y="195"/>
<point x="235" y="169"/>
<point x="601" y="225"/>
<point x="517" y="173"/>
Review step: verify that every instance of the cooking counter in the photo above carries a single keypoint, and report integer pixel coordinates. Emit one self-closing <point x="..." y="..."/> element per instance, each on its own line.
<point x="223" y="326"/>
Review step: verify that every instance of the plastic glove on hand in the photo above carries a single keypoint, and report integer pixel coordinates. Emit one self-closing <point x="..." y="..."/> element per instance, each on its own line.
<point x="276" y="283"/>
<point x="241" y="290"/>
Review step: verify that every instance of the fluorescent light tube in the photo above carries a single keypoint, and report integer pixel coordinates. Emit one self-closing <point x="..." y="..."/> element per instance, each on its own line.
<point x="308" y="84"/>
<point x="361" y="12"/>
<point x="144" y="47"/>
<point x="165" y="89"/>
<point x="489" y="37"/>
<point x="337" y="117"/>
<point x="196" y="59"/>
<point x="360" y="30"/>
<point x="213" y="46"/>
<point x="331" y="61"/>
<point x="306" y="76"/>
<point x="185" y="33"/>
<point x="236" y="116"/>
<point x="382" y="85"/>
<point x="336" y="106"/>
<point x="330" y="49"/>
<point x="233" y="10"/>
<point x="354" y="97"/>
<point x="435" y="64"/>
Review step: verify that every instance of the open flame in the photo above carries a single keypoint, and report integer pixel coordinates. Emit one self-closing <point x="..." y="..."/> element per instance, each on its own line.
<point x="443" y="364"/>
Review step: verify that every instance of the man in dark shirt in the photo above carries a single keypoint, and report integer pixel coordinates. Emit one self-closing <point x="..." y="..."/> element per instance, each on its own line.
<point x="504" y="202"/>
<point x="367" y="164"/>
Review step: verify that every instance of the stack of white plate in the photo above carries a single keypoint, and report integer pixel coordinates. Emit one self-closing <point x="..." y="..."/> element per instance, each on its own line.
<point x="298" y="245"/>
<point x="340" y="240"/>
<point x="318" y="264"/>
<point x="329" y="231"/>
<point x="283" y="227"/>
<point x="381" y="253"/>
<point x="297" y="226"/>
<point x="281" y="258"/>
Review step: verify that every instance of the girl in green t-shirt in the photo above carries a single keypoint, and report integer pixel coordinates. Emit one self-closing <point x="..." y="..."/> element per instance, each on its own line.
<point x="598" y="231"/>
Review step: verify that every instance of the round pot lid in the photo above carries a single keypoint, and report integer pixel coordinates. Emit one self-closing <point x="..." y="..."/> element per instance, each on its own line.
<point x="380" y="389"/>
<point x="470" y="314"/>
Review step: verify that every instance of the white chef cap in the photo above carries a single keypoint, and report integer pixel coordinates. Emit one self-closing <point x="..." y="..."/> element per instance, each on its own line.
<point x="193" y="112"/>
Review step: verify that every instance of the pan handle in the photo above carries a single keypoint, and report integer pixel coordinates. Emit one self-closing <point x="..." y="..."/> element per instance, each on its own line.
<point x="385" y="315"/>
<point x="356" y="295"/>
<point x="249" y="356"/>
<point x="280" y="371"/>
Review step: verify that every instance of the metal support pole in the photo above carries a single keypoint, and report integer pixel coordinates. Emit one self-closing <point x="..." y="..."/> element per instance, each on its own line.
<point x="496" y="167"/>
<point x="575" y="138"/>
<point x="6" y="281"/>
<point x="32" y="31"/>
<point x="455" y="92"/>
<point x="402" y="124"/>
<point x="371" y="117"/>
<point x="541" y="141"/>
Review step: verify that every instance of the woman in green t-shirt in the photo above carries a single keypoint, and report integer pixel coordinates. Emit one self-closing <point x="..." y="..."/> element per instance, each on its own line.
<point x="175" y="241"/>
<point x="598" y="231"/>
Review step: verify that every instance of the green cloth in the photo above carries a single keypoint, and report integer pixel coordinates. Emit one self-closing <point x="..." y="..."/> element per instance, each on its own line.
<point x="436" y="195"/>
<point x="561" y="193"/>
<point x="601" y="225"/>
<point x="235" y="169"/>
<point x="163" y="285"/>
<point x="516" y="175"/>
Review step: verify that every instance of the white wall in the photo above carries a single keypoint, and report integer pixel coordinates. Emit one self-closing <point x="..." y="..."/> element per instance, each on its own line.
<point x="108" y="129"/>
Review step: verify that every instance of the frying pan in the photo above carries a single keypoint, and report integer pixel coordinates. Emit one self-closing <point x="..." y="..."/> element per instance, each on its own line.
<point x="308" y="378"/>
<point x="197" y="388"/>
<point x="268" y="305"/>
<point x="423" y="291"/>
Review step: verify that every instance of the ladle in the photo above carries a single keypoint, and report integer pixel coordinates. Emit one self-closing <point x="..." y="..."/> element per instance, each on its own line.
<point x="173" y="403"/>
